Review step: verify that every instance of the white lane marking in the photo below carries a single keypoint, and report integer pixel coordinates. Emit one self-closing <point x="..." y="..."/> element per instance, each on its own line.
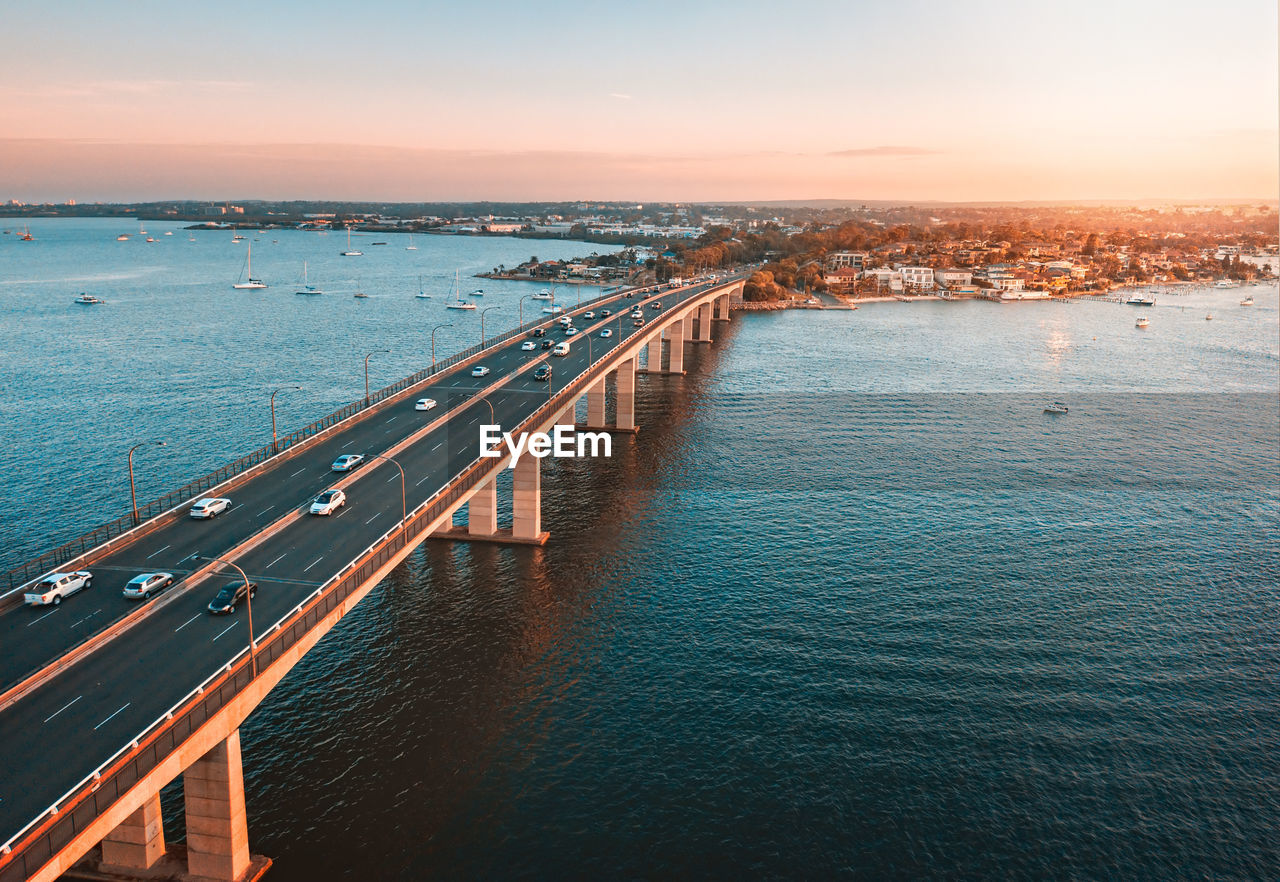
<point x="349" y="443"/>
<point x="393" y="419"/>
<point x="224" y="630"/>
<point x="86" y="618"/>
<point x="423" y="481"/>
<point x="234" y="507"/>
<point x="265" y="510"/>
<point x="154" y="553"/>
<point x="395" y="477"/>
<point x="64" y="707"/>
<point x="312" y="564"/>
<point x="298" y="472"/>
<point x="372" y="519"/>
<point x="43" y="617"/>
<point x="437" y="447"/>
<point x="187" y="622"/>
<point x="341" y="513"/>
<point x="108" y="719"/>
<point x="276" y="561"/>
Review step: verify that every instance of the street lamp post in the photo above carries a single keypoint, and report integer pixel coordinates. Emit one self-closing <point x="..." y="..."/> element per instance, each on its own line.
<point x="366" y="373"/>
<point x="248" y="601"/>
<point x="433" y="340"/>
<point x="274" y="448"/>
<point x="404" y="510"/>
<point x="520" y="306"/>
<point x="482" y="312"/>
<point x="133" y="495"/>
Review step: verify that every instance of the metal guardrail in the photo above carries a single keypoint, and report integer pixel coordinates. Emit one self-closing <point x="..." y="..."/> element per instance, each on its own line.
<point x="104" y="533"/>
<point x="35" y="845"/>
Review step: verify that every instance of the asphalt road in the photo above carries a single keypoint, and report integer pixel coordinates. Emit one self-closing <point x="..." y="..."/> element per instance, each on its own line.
<point x="60" y="732"/>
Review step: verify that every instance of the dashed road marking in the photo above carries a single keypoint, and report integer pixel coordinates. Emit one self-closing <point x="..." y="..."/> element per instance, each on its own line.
<point x="42" y="618"/>
<point x="372" y="519"/>
<point x="265" y="510"/>
<point x="64" y="707"/>
<point x="187" y="622"/>
<point x="313" y="563"/>
<point x="276" y="561"/>
<point x="224" y="630"/>
<point x="298" y="472"/>
<point x="108" y="719"/>
<point x="154" y="553"/>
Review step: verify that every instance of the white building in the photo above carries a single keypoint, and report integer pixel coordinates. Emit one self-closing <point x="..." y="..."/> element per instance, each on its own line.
<point x="917" y="276"/>
<point x="855" y="259"/>
<point x="953" y="278"/>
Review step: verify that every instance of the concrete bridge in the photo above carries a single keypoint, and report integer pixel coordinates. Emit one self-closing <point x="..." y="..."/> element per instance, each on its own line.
<point x="107" y="701"/>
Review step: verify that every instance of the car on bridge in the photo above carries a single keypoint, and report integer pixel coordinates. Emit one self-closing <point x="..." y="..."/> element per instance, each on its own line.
<point x="143" y="586"/>
<point x="606" y="333"/>
<point x="539" y="332"/>
<point x="227" y="599"/>
<point x="570" y="331"/>
<point x="347" y="462"/>
<point x="543" y="372"/>
<point x="657" y="304"/>
<point x="588" y="315"/>
<point x="425" y="404"/>
<point x="52" y="588"/>
<point x="528" y="346"/>
<point x="209" y="507"/>
<point x="562" y="349"/>
<point x="605" y="313"/>
<point x="480" y="371"/>
<point x="547" y="344"/>
<point x="328" y="502"/>
<point x="637" y="321"/>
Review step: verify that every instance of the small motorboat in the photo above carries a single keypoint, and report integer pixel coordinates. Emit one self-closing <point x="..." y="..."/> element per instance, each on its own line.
<point x="1142" y="322"/>
<point x="1209" y="317"/>
<point x="1141" y="300"/>
<point x="360" y="295"/>
<point x="478" y="292"/>
<point x="1248" y="301"/>
<point x="1056" y="407"/>
<point x="544" y="294"/>
<point x="88" y="300"/>
<point x="123" y="237"/>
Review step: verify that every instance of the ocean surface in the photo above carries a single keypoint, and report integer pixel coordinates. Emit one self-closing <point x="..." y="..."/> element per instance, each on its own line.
<point x="849" y="605"/>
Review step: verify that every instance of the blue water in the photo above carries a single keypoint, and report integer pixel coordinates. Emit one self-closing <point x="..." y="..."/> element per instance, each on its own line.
<point x="849" y="604"/>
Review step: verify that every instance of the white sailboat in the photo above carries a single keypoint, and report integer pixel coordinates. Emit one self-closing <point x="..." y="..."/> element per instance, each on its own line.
<point x="350" y="252"/>
<point x="458" y="302"/>
<point x="309" y="290"/>
<point x="421" y="295"/>
<point x="360" y="295"/>
<point x="248" y="270"/>
<point x="411" y="246"/>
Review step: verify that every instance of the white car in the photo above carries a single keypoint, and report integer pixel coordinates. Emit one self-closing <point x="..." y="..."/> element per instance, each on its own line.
<point x="570" y="331"/>
<point x="55" y="586"/>
<point x="566" y="320"/>
<point x="480" y="371"/>
<point x="328" y="502"/>
<point x="588" y="315"/>
<point x="147" y="584"/>
<point x="528" y="346"/>
<point x="347" y="462"/>
<point x="210" y="507"/>
<point x="606" y="333"/>
<point x="425" y="404"/>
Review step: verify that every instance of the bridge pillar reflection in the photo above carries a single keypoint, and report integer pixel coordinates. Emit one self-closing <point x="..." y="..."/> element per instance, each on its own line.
<point x="704" y="324"/>
<point x="482" y="510"/>
<point x="138" y="842"/>
<point x="217" y="832"/>
<point x="526" y="501"/>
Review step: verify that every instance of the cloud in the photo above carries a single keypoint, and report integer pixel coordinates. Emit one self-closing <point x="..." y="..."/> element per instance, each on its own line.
<point x="888" y="150"/>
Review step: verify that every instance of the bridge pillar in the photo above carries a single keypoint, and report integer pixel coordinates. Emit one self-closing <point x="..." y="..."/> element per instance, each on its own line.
<point x="688" y="325"/>
<point x="217" y="832"/>
<point x="654" y="363"/>
<point x="627" y="394"/>
<point x="138" y="842"/>
<point x="704" y="324"/>
<point x="675" y="334"/>
<point x="526" y="501"/>
<point x="722" y="304"/>
<point x="482" y="510"/>
<point x="595" y="405"/>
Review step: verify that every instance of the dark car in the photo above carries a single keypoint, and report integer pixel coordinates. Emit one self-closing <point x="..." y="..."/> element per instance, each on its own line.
<point x="547" y="344"/>
<point x="631" y="294"/>
<point x="539" y="332"/>
<point x="230" y="597"/>
<point x="543" y="372"/>
<point x="655" y="305"/>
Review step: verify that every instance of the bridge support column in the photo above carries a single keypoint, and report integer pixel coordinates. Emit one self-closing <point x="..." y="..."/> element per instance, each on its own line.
<point x="722" y="308"/>
<point x="217" y="832"/>
<point x="704" y="324"/>
<point x="688" y="326"/>
<point x="482" y="510"/>
<point x="627" y="395"/>
<point x="138" y="842"/>
<point x="526" y="501"/>
<point x="595" y="405"/>
<point x="675" y="334"/>
<point x="654" y="363"/>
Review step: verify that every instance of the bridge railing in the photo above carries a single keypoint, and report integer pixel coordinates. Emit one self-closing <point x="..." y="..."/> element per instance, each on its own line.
<point x="35" y="845"/>
<point x="104" y="533"/>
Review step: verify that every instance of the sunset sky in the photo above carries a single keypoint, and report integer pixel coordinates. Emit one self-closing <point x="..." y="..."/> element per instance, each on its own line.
<point x="698" y="101"/>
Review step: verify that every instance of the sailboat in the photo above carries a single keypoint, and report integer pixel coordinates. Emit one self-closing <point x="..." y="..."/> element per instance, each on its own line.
<point x="359" y="295"/>
<point x="349" y="252"/>
<point x="421" y="295"/>
<point x="307" y="289"/>
<point x="26" y="235"/>
<point x="248" y="267"/>
<point x="411" y="246"/>
<point x="458" y="302"/>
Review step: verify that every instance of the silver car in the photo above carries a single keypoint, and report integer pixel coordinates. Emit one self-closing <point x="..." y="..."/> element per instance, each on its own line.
<point x="142" y="587"/>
